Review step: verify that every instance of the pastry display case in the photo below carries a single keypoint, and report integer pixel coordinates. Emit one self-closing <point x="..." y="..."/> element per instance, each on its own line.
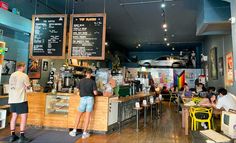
<point x="57" y="104"/>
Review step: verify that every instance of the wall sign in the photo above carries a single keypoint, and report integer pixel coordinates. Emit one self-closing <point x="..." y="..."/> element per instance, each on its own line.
<point x="229" y="69"/>
<point x="48" y="37"/>
<point x="87" y="36"/>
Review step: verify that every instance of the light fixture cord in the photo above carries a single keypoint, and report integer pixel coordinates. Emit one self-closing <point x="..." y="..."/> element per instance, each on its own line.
<point x="35" y="8"/>
<point x="104" y="6"/>
<point x="73" y="7"/>
<point x="66" y="6"/>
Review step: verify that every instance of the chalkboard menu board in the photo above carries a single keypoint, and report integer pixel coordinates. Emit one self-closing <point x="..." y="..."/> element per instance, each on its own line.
<point x="48" y="36"/>
<point x="87" y="36"/>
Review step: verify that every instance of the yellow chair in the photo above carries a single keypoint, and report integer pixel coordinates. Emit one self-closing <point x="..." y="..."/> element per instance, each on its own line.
<point x="195" y="119"/>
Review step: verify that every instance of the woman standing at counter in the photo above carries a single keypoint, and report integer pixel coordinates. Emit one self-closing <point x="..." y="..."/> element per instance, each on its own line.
<point x="88" y="89"/>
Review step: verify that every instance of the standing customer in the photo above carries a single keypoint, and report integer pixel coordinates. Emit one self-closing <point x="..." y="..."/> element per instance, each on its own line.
<point x="88" y="89"/>
<point x="18" y="83"/>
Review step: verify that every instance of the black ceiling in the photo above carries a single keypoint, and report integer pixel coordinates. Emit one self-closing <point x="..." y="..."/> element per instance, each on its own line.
<point x="130" y="22"/>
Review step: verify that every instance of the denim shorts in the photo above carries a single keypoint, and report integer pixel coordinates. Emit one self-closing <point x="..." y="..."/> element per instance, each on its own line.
<point x="86" y="104"/>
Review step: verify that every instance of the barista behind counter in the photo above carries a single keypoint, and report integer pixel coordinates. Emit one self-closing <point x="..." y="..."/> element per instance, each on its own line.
<point x="108" y="91"/>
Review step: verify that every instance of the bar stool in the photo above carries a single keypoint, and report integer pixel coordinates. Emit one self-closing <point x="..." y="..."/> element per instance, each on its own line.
<point x="158" y="108"/>
<point x="145" y="114"/>
<point x="137" y="117"/>
<point x="152" y="104"/>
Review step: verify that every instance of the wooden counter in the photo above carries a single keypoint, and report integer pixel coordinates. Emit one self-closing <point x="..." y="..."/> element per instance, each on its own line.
<point x="38" y="116"/>
<point x="103" y="107"/>
<point x="132" y="97"/>
<point x="99" y="118"/>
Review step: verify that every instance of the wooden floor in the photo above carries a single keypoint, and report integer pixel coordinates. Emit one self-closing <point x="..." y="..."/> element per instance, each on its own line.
<point x="165" y="130"/>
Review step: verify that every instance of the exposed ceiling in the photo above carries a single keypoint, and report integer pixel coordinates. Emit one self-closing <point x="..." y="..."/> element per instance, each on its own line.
<point x="130" y="22"/>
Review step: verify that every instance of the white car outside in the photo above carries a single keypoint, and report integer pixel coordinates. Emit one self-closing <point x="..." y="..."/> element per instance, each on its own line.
<point x="165" y="61"/>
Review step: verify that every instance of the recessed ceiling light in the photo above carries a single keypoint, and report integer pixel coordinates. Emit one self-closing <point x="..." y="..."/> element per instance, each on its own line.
<point x="139" y="45"/>
<point x="173" y="48"/>
<point x="168" y="44"/>
<point x="165" y="29"/>
<point x="165" y="39"/>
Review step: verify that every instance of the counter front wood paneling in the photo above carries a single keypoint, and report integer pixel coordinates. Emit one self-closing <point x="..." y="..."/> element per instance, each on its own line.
<point x="99" y="118"/>
<point x="38" y="117"/>
<point x="36" y="103"/>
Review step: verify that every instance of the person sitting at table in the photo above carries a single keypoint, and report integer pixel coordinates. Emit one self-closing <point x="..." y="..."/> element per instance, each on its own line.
<point x="225" y="101"/>
<point x="164" y="90"/>
<point x="211" y="90"/>
<point x="186" y="92"/>
<point x="209" y="101"/>
<point x="200" y="88"/>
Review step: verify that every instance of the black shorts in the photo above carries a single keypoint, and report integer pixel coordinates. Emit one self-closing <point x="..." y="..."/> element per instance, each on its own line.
<point x="19" y="108"/>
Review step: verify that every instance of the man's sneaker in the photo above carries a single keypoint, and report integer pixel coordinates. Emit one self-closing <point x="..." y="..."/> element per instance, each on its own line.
<point x="13" y="138"/>
<point x="85" y="135"/>
<point x="73" y="133"/>
<point x="23" y="139"/>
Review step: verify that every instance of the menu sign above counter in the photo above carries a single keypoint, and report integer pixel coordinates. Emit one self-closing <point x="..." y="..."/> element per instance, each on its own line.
<point x="48" y="37"/>
<point x="87" y="36"/>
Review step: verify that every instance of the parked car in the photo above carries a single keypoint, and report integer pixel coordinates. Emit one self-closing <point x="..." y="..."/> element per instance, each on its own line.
<point x="164" y="61"/>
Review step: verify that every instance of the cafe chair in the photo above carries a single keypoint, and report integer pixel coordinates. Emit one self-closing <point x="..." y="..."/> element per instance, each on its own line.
<point x="196" y="112"/>
<point x="173" y="97"/>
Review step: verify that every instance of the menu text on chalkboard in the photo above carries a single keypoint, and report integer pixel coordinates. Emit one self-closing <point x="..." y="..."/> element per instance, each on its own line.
<point x="87" y="36"/>
<point x="48" y="36"/>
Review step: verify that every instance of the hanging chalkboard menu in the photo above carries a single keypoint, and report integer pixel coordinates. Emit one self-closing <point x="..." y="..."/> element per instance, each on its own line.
<point x="87" y="36"/>
<point x="48" y="37"/>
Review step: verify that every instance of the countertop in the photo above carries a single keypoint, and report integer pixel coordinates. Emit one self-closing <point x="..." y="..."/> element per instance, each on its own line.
<point x="136" y="96"/>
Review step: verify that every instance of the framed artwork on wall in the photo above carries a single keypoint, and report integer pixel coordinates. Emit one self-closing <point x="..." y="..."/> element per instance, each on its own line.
<point x="229" y="69"/>
<point x="34" y="68"/>
<point x="213" y="63"/>
<point x="221" y="66"/>
<point x="8" y="67"/>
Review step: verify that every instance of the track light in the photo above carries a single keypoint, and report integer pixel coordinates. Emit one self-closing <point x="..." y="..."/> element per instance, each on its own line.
<point x="165" y="30"/>
<point x="165" y="39"/>
<point x="164" y="26"/>
<point x="163" y="5"/>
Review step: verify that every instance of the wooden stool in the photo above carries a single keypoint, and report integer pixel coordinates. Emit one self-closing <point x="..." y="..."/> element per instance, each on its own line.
<point x="137" y="117"/>
<point x="145" y="114"/>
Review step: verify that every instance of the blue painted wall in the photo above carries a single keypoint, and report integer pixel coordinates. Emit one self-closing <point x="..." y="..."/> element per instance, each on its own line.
<point x="27" y="7"/>
<point x="224" y="45"/>
<point x="18" y="47"/>
<point x="212" y="11"/>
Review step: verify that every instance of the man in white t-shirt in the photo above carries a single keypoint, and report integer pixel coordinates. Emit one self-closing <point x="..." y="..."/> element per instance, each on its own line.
<point x="18" y="83"/>
<point x="226" y="100"/>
